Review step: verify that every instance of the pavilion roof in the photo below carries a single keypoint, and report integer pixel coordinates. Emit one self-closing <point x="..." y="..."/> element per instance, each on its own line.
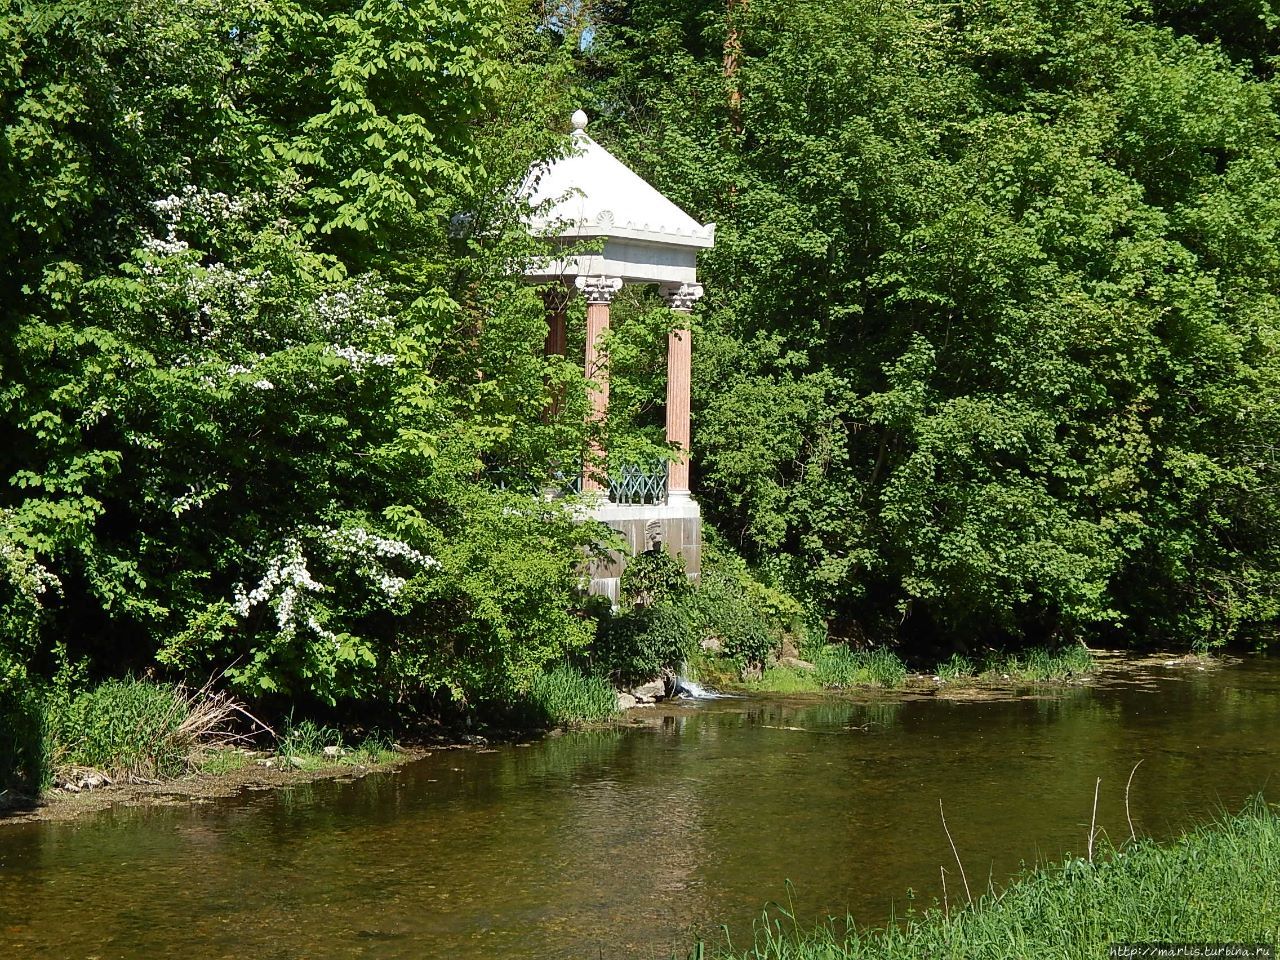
<point x="591" y="193"/>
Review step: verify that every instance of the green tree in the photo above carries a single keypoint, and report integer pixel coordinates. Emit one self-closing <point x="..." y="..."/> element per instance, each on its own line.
<point x="988" y="345"/>
<point x="261" y="343"/>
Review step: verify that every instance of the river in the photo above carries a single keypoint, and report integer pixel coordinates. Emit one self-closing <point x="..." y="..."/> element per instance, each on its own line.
<point x="633" y="842"/>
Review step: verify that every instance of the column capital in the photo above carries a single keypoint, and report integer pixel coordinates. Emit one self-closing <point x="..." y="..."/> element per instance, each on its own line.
<point x="681" y="296"/>
<point x="599" y="289"/>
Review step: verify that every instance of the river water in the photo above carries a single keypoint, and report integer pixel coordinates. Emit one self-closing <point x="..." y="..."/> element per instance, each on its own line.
<point x="633" y="842"/>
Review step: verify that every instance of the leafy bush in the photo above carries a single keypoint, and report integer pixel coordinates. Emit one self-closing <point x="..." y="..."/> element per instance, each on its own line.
<point x="565" y="694"/>
<point x="24" y="740"/>
<point x="653" y="577"/>
<point x="638" y="644"/>
<point x="722" y="611"/>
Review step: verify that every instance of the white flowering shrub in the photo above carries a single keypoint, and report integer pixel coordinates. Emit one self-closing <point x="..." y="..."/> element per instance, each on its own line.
<point x="253" y="386"/>
<point x="25" y="585"/>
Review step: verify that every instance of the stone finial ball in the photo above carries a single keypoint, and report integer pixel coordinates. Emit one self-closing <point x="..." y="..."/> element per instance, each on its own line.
<point x="579" y="119"/>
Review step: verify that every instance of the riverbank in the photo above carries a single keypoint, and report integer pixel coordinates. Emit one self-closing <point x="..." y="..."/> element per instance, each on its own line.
<point x="224" y="773"/>
<point x="1218" y="884"/>
<point x="835" y="671"/>
<point x="307" y="753"/>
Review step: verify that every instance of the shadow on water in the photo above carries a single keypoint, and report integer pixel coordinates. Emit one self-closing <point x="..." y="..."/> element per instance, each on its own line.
<point x="633" y="841"/>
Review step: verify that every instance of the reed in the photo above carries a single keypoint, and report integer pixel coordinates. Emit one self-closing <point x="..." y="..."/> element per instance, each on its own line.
<point x="137" y="729"/>
<point x="1037" y="664"/>
<point x="565" y="695"/>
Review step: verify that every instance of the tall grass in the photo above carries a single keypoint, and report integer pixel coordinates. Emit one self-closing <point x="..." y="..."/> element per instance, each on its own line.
<point x="956" y="667"/>
<point x="836" y="666"/>
<point x="1219" y="883"/>
<point x="303" y="743"/>
<point x="136" y="728"/>
<point x="566" y="695"/>
<point x="839" y="666"/>
<point x="1038" y="664"/>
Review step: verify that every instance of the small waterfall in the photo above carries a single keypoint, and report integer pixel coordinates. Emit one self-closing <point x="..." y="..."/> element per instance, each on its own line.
<point x="693" y="691"/>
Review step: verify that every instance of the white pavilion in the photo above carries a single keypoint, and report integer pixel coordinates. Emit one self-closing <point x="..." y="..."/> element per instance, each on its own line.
<point x="642" y="237"/>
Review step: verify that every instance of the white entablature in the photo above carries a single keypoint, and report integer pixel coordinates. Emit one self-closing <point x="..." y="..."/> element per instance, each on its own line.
<point x="591" y="195"/>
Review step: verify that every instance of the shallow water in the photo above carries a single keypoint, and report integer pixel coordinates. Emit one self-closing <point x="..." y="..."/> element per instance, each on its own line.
<point x="634" y="842"/>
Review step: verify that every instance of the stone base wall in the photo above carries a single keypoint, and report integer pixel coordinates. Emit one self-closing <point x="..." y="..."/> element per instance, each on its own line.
<point x="676" y="525"/>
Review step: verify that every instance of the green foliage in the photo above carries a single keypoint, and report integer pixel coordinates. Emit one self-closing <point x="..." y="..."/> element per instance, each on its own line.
<point x="721" y="611"/>
<point x="785" y="680"/>
<point x="565" y="695"/>
<point x="302" y="744"/>
<point x="1217" y="884"/>
<point x="123" y="727"/>
<point x="728" y="609"/>
<point x="835" y="666"/>
<point x="1039" y="664"/>
<point x="257" y="383"/>
<point x="839" y="666"/>
<point x="637" y="645"/>
<point x="25" y="763"/>
<point x="306" y="738"/>
<point x="989" y="345"/>
<point x="956" y="667"/>
<point x="653" y="577"/>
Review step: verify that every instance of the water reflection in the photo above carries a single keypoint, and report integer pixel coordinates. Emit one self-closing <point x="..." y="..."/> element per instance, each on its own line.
<point x="632" y="841"/>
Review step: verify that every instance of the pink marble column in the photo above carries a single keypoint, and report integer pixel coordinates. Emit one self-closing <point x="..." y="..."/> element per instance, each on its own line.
<point x="679" y="376"/>
<point x="599" y="292"/>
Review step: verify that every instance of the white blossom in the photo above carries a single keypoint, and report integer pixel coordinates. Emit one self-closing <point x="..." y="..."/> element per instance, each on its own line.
<point x="287" y="585"/>
<point x="359" y="359"/>
<point x="21" y="569"/>
<point x="286" y="580"/>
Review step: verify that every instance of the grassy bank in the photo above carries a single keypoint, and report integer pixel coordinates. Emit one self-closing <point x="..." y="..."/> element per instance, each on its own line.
<point x="1219" y="883"/>
<point x="837" y="667"/>
<point x="135" y="730"/>
<point x="1035" y="665"/>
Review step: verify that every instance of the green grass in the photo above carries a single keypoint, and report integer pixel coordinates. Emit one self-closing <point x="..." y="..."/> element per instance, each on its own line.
<point x="223" y="761"/>
<point x="303" y="745"/>
<point x="836" y="667"/>
<point x="1218" y="883"/>
<point x="127" y="728"/>
<point x="956" y="667"/>
<point x="839" y="666"/>
<point x="135" y="729"/>
<point x="1038" y="665"/>
<point x="565" y="695"/>
<point x="786" y="680"/>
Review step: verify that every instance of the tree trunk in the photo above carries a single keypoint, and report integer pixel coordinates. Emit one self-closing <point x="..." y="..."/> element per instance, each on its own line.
<point x="735" y="10"/>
